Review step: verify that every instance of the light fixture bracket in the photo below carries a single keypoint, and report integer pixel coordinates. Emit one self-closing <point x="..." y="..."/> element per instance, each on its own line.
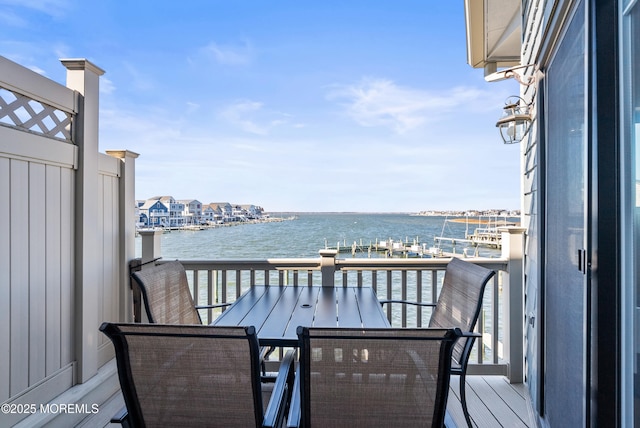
<point x="514" y="72"/>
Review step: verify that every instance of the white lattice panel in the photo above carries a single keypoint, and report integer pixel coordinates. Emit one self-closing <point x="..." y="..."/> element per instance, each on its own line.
<point x="30" y="115"/>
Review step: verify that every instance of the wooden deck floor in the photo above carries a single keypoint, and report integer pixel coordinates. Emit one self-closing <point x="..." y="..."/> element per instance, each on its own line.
<point x="493" y="402"/>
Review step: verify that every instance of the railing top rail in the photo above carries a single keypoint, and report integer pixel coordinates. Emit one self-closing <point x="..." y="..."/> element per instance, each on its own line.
<point x="308" y="263"/>
<point x="340" y="264"/>
<point x="417" y="264"/>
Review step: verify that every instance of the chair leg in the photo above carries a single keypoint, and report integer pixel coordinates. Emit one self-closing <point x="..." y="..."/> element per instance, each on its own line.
<point x="463" y="398"/>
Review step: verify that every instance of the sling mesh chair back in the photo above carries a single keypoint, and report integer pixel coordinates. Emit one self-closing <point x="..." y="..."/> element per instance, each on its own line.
<point x="374" y="377"/>
<point x="458" y="306"/>
<point x="188" y="375"/>
<point x="166" y="295"/>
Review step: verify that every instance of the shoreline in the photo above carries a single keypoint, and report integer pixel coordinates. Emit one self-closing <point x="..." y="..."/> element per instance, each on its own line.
<point x="215" y="226"/>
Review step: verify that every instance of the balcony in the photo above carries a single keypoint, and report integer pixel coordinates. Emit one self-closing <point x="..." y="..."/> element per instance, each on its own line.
<point x="62" y="275"/>
<point x="495" y="386"/>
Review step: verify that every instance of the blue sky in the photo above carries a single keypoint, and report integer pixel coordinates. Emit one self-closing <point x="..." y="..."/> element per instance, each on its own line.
<point x="359" y="105"/>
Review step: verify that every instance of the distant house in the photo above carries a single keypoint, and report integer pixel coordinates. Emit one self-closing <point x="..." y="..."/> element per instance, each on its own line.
<point x="141" y="221"/>
<point x="238" y="213"/>
<point x="192" y="212"/>
<point x="154" y="213"/>
<point x="176" y="219"/>
<point x="211" y="213"/>
<point x="225" y="209"/>
<point x="252" y="211"/>
<point x="174" y="209"/>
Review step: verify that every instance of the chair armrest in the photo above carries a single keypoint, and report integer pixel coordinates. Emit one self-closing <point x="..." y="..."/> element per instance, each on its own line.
<point x="282" y="388"/>
<point x="407" y="302"/>
<point x="460" y="367"/>
<point x="293" y="420"/>
<point x="219" y="305"/>
<point x="121" y="417"/>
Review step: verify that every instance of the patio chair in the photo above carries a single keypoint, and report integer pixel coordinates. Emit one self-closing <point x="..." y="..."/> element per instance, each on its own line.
<point x="165" y="292"/>
<point x="189" y="375"/>
<point x="458" y="306"/>
<point x="356" y="377"/>
<point x="167" y="299"/>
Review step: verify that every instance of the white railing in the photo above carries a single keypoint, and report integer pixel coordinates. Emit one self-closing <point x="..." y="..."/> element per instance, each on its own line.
<point x="498" y="351"/>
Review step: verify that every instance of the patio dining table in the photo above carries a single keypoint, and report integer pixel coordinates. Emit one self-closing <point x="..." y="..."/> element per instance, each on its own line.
<point x="277" y="311"/>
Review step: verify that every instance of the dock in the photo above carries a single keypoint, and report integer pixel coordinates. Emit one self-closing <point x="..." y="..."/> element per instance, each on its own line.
<point x="388" y="247"/>
<point x="486" y="235"/>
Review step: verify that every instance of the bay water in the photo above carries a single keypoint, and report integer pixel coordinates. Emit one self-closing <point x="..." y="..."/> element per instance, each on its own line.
<point x="307" y="234"/>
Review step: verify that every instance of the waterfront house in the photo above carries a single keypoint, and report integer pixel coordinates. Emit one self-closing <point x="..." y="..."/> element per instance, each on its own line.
<point x="192" y="212"/>
<point x="176" y="210"/>
<point x="224" y="208"/>
<point x="154" y="213"/>
<point x="577" y="64"/>
<point x="251" y="211"/>
<point x="212" y="213"/>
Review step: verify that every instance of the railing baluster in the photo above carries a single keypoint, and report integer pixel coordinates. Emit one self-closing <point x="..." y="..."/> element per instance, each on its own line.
<point x="403" y="292"/>
<point x="194" y="287"/>
<point x="223" y="285"/>
<point x="496" y="318"/>
<point x="419" y="298"/>
<point x="479" y="345"/>
<point x="210" y="295"/>
<point x="434" y="286"/>
<point x="374" y="280"/>
<point x="389" y="295"/>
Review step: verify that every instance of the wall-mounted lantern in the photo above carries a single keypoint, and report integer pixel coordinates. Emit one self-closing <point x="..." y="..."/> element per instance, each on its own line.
<point x="515" y="121"/>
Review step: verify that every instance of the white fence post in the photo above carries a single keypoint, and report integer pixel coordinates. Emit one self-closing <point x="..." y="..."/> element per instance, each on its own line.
<point x="151" y="248"/>
<point x="127" y="233"/>
<point x="328" y="267"/>
<point x="84" y="77"/>
<point x="513" y="301"/>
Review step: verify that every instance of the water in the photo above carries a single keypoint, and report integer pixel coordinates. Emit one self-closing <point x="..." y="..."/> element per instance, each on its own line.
<point x="307" y="234"/>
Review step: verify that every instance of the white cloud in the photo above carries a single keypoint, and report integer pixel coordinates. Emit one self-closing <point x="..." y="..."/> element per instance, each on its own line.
<point x="139" y="80"/>
<point x="229" y="55"/>
<point x="192" y="107"/>
<point x="62" y="50"/>
<point x="106" y="86"/>
<point x="11" y="19"/>
<point x="252" y="117"/>
<point x="55" y="8"/>
<point x="381" y="102"/>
